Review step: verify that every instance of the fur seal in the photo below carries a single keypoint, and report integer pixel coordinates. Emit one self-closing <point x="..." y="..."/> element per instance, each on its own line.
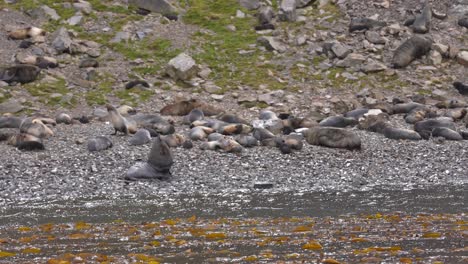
<point x="235" y="129"/>
<point x="338" y="121"/>
<point x="120" y="123"/>
<point x="283" y="147"/>
<point x="333" y="137"/>
<point x="425" y="127"/>
<point x="214" y="136"/>
<point x="10" y="122"/>
<point x="294" y="141"/>
<point x="156" y="122"/>
<point x="461" y="88"/>
<point x="422" y="22"/>
<point x="194" y="115"/>
<point x="267" y="115"/>
<point x="200" y="132"/>
<point x="413" y="48"/>
<point x="25" y="141"/>
<point x="45" y="62"/>
<point x="446" y="133"/>
<point x="261" y="134"/>
<point x="406" y="107"/>
<point x="374" y="123"/>
<point x="356" y="113"/>
<point x="232" y="119"/>
<point x="89" y="63"/>
<point x="365" y="24"/>
<point x="399" y="133"/>
<point x="22" y="73"/>
<point x="230" y="145"/>
<point x="141" y="137"/>
<point x="416" y="115"/>
<point x="24" y="33"/>
<point x="35" y="127"/>
<point x="174" y="140"/>
<point x="158" y="166"/>
<point x="451" y="103"/>
<point x="99" y="143"/>
<point x="246" y="141"/>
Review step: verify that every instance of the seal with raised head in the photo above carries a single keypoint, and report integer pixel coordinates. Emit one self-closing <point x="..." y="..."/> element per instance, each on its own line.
<point x="120" y="123"/>
<point x="422" y="22"/>
<point x="413" y="48"/>
<point x="333" y="137"/>
<point x="158" y="166"/>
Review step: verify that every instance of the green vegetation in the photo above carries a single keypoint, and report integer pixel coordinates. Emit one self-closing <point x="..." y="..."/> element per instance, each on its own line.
<point x="221" y="48"/>
<point x="51" y="92"/>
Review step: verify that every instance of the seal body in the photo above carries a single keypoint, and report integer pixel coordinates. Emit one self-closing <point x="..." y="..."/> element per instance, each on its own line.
<point x="411" y="49"/>
<point x="333" y="138"/>
<point x="398" y="133"/>
<point x="22" y="73"/>
<point x="338" y="121"/>
<point x="120" y="123"/>
<point x="422" y="22"/>
<point x="99" y="143"/>
<point x="25" y="141"/>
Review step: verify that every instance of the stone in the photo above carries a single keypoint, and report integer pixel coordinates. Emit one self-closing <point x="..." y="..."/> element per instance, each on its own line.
<point x="121" y="35"/>
<point x="340" y="50"/>
<point x="270" y="43"/>
<point x="263" y="185"/>
<point x="373" y="66"/>
<point x="62" y="41"/>
<point x="302" y="3"/>
<point x="271" y="97"/>
<point x="11" y="106"/>
<point x="435" y="58"/>
<point x="182" y="67"/>
<point x="375" y="38"/>
<point x="287" y="11"/>
<point x="157" y="6"/>
<point x="210" y="87"/>
<point x="99" y="143"/>
<point x="83" y="6"/>
<point x="353" y="60"/>
<point x="462" y="58"/>
<point x="265" y="15"/>
<point x="75" y="20"/>
<point x="250" y="4"/>
<point x="240" y="14"/>
<point x="231" y="28"/>
<point x="323" y="3"/>
<point x="441" y="48"/>
<point x="50" y="12"/>
<point x="3" y="84"/>
<point x="246" y="98"/>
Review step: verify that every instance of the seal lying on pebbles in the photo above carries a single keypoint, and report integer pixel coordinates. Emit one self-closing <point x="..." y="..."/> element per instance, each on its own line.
<point x="24" y="33"/>
<point x="63" y="118"/>
<point x="461" y="88"/>
<point x="333" y="138"/>
<point x="338" y="121"/>
<point x="194" y="115"/>
<point x="156" y="122"/>
<point x="158" y="166"/>
<point x="425" y="127"/>
<point x="35" y="127"/>
<point x="22" y="73"/>
<point x="120" y="123"/>
<point x="356" y="113"/>
<point x="232" y="119"/>
<point x="365" y="24"/>
<point x="411" y="49"/>
<point x="406" y="107"/>
<point x="141" y="137"/>
<point x="246" y="141"/>
<point x="446" y="133"/>
<point x="174" y="140"/>
<point x="400" y="133"/>
<point x="99" y="143"/>
<point x="25" y="141"/>
<point x="224" y="143"/>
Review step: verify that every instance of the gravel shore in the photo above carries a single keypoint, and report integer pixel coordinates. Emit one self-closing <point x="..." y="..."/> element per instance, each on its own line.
<point x="66" y="170"/>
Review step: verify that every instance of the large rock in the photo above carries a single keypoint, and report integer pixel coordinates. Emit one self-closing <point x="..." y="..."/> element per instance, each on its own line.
<point x="287" y="10"/>
<point x="83" y="6"/>
<point x="353" y="60"/>
<point x="373" y="66"/>
<point x="340" y="50"/>
<point x="270" y="43"/>
<point x="157" y="6"/>
<point x="462" y="58"/>
<point x="62" y="41"/>
<point x="182" y="67"/>
<point x="11" y="106"/>
<point x="51" y="13"/>
<point x="250" y="4"/>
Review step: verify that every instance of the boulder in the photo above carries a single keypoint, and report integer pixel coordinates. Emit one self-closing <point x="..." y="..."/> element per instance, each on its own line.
<point x="158" y="6"/>
<point x="270" y="43"/>
<point x="287" y="11"/>
<point x="250" y="4"/>
<point x="62" y="41"/>
<point x="182" y="67"/>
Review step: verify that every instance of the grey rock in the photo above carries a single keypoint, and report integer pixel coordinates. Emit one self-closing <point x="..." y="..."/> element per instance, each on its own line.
<point x="271" y="97"/>
<point x="265" y="15"/>
<point x="435" y="58"/>
<point x="210" y="87"/>
<point x="62" y="41"/>
<point x="303" y="3"/>
<point x="119" y="36"/>
<point x="141" y="137"/>
<point x="50" y="12"/>
<point x="441" y="48"/>
<point x="375" y="38"/>
<point x="158" y="6"/>
<point x="373" y="66"/>
<point x="340" y="50"/>
<point x="182" y="67"/>
<point x="270" y="43"/>
<point x="287" y="11"/>
<point x="83" y="6"/>
<point x="11" y="106"/>
<point x="250" y="4"/>
<point x="353" y="60"/>
<point x="462" y="58"/>
<point x="75" y="20"/>
<point x="99" y="143"/>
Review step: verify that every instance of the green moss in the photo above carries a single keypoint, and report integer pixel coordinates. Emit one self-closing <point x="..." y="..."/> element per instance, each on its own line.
<point x="44" y="90"/>
<point x="221" y="49"/>
<point x="98" y="96"/>
<point x="133" y="96"/>
<point x="260" y="105"/>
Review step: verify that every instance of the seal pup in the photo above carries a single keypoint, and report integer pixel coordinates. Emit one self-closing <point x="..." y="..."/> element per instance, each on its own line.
<point x="338" y="121"/>
<point x="23" y="141"/>
<point x="120" y="123"/>
<point x="232" y="119"/>
<point x="22" y="73"/>
<point x="174" y="140"/>
<point x="261" y="134"/>
<point x="405" y="108"/>
<point x="35" y="127"/>
<point x="333" y="137"/>
<point x="235" y="129"/>
<point x="160" y="160"/>
<point x="413" y="48"/>
<point x="215" y="136"/>
<point x="153" y="121"/>
<point x="461" y="88"/>
<point x="99" y="143"/>
<point x="141" y="137"/>
<point x="422" y="22"/>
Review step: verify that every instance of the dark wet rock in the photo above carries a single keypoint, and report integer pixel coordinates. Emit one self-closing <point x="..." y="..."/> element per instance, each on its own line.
<point x="25" y="44"/>
<point x="160" y="160"/>
<point x="263" y="185"/>
<point x="400" y="133"/>
<point x="411" y="49"/>
<point x="446" y="133"/>
<point x="461" y="88"/>
<point x="20" y="73"/>
<point x="172" y="17"/>
<point x="188" y="144"/>
<point x="333" y="138"/>
<point x="365" y="24"/>
<point x="141" y="137"/>
<point x="99" y="143"/>
<point x="157" y="6"/>
<point x="265" y="27"/>
<point x="464" y="134"/>
<point x="87" y="63"/>
<point x="338" y="121"/>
